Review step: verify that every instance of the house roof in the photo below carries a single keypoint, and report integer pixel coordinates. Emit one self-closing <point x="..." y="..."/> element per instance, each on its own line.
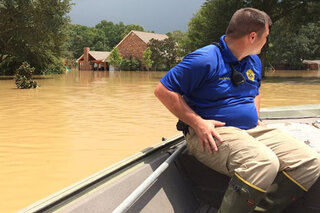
<point x="311" y="61"/>
<point x="145" y="36"/>
<point x="97" y="55"/>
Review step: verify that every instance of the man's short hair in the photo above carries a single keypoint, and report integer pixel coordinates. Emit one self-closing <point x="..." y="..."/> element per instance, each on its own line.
<point x="247" y="20"/>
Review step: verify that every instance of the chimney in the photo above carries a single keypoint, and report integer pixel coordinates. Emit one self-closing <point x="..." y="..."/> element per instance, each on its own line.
<point x="86" y="53"/>
<point x="86" y="65"/>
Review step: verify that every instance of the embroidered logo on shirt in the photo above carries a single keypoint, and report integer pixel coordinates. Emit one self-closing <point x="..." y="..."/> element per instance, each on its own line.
<point x="250" y="74"/>
<point x="224" y="78"/>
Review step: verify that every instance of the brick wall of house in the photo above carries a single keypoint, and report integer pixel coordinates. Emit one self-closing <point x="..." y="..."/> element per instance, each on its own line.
<point x="85" y="63"/>
<point x="132" y="46"/>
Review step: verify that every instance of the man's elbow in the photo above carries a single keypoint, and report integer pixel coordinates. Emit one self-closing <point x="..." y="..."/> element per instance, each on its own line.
<point x="158" y="91"/>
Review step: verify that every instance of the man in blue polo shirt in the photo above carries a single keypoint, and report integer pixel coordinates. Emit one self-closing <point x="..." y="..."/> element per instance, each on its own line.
<point x="205" y="81"/>
<point x="215" y="92"/>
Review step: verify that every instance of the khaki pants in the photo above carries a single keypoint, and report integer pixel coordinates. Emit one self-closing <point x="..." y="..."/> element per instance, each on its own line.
<point x="257" y="155"/>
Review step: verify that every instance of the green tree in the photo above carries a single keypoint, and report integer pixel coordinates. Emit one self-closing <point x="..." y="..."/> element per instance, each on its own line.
<point x="115" y="58"/>
<point x="170" y="48"/>
<point x="112" y="32"/>
<point x="33" y="31"/>
<point x="147" y="62"/>
<point x="135" y="64"/>
<point x="212" y="19"/>
<point x="157" y="53"/>
<point x="82" y="36"/>
<point x="294" y="13"/>
<point x="130" y="64"/>
<point x="209" y="23"/>
<point x="164" y="53"/>
<point x="295" y="44"/>
<point x="125" y="64"/>
<point x="23" y="77"/>
<point x="178" y="37"/>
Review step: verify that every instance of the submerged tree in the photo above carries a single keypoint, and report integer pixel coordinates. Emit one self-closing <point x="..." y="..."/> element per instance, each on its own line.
<point x="147" y="61"/>
<point x="23" y="77"/>
<point x="130" y="64"/>
<point x="115" y="58"/>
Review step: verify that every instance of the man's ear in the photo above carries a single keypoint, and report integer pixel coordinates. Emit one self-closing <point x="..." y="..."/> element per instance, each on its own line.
<point x="252" y="36"/>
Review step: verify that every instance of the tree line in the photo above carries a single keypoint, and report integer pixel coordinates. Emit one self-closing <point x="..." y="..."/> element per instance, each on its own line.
<point x="40" y="32"/>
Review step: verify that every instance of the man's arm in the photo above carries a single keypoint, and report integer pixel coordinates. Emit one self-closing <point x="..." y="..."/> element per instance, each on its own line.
<point x="205" y="129"/>
<point x="257" y="104"/>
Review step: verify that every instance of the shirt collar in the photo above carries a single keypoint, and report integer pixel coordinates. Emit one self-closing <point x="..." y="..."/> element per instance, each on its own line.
<point x="226" y="52"/>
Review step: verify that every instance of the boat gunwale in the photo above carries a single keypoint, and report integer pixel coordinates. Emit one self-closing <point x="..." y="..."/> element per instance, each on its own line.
<point x="71" y="191"/>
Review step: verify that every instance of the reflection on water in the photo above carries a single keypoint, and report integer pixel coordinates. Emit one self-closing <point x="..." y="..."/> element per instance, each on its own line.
<point x="78" y="123"/>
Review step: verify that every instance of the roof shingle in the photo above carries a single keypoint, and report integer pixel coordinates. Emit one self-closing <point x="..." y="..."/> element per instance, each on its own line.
<point x="146" y="36"/>
<point x="99" y="55"/>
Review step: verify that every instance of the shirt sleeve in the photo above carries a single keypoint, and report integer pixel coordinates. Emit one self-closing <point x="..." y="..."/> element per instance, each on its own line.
<point x="189" y="74"/>
<point x="259" y="73"/>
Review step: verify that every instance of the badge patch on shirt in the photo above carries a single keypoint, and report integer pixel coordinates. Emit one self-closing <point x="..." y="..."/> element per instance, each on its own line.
<point x="250" y="74"/>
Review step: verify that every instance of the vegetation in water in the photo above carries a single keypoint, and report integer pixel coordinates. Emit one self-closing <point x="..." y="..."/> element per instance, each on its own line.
<point x="147" y="61"/>
<point x="130" y="64"/>
<point x="115" y="58"/>
<point x="23" y="77"/>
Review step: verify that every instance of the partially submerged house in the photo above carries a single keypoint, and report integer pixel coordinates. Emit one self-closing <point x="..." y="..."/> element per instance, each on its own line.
<point x="312" y="64"/>
<point x="93" y="60"/>
<point x="135" y="43"/>
<point x="131" y="46"/>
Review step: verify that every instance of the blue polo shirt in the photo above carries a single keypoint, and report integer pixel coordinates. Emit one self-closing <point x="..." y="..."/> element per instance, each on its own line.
<point x="203" y="78"/>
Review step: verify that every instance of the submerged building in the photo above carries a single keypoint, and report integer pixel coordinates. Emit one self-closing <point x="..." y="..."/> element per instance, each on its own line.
<point x="93" y="60"/>
<point x="136" y="42"/>
<point x="131" y="46"/>
<point x="312" y="64"/>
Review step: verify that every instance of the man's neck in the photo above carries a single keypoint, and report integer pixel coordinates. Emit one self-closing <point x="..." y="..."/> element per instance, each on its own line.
<point x="237" y="47"/>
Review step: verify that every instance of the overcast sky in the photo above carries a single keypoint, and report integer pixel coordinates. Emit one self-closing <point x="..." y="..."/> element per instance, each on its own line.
<point x="161" y="16"/>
